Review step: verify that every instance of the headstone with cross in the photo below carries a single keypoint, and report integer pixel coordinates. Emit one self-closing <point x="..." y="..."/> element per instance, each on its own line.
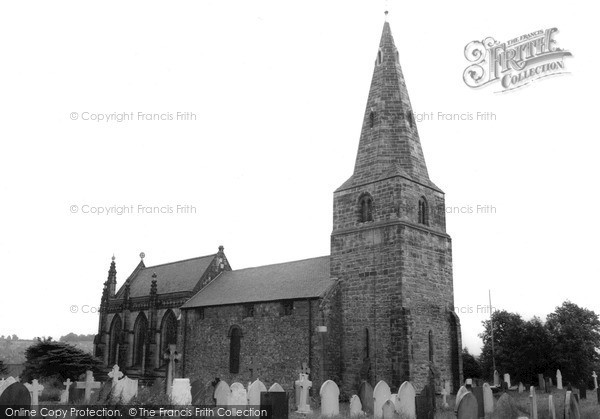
<point x="89" y="384"/>
<point x="35" y="390"/>
<point x="303" y="384"/>
<point x="115" y="374"/>
<point x="305" y="370"/>
<point x="172" y="356"/>
<point x="595" y="377"/>
<point x="445" y="393"/>
<point x="64" y="395"/>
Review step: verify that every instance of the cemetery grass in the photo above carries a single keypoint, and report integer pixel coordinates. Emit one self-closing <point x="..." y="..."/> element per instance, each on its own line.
<point x="589" y="407"/>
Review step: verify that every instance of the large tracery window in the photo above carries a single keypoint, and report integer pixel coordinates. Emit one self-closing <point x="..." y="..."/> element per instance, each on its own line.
<point x="116" y="328"/>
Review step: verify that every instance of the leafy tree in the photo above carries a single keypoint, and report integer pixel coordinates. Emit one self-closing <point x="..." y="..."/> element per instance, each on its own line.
<point x="15" y="337"/>
<point x="508" y="332"/>
<point x="576" y="335"/>
<point x="471" y="365"/>
<point x="536" y="352"/>
<point x="46" y="358"/>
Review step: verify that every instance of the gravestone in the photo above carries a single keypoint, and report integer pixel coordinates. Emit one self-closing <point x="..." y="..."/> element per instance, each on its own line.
<point x="276" y="388"/>
<point x="388" y="410"/>
<point x="88" y="386"/>
<point x="5" y="383"/>
<point x="381" y="394"/>
<point x="365" y="393"/>
<point x="238" y="396"/>
<point x="506" y="408"/>
<point x="459" y="395"/>
<point x="35" y="391"/>
<point x="130" y="389"/>
<point x="198" y="392"/>
<point x="64" y="395"/>
<point x="15" y="396"/>
<point x="181" y="392"/>
<point x="595" y="377"/>
<point x="406" y="401"/>
<point x="598" y="395"/>
<point x="172" y="357"/>
<point x="551" y="407"/>
<point x="356" y="408"/>
<point x="488" y="400"/>
<point x="107" y="392"/>
<point x="533" y="410"/>
<point x="330" y="402"/>
<point x="571" y="406"/>
<point x="507" y="379"/>
<point x="521" y="388"/>
<point x="583" y="390"/>
<point x="425" y="402"/>
<point x="302" y="387"/>
<point x="467" y="408"/>
<point x="298" y="389"/>
<point x="222" y="393"/>
<point x="254" y="391"/>
<point x="478" y="393"/>
<point x="115" y="375"/>
<point x="559" y="384"/>
<point x="496" y="379"/>
<point x="548" y="385"/>
<point x="276" y="403"/>
<point x="541" y="382"/>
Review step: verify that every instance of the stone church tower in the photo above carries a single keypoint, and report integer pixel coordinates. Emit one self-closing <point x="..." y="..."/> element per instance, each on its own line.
<point x="390" y="251"/>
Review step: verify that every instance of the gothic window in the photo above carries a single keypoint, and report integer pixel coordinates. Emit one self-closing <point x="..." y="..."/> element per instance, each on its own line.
<point x="140" y="332"/>
<point x="423" y="212"/>
<point x="249" y="310"/>
<point x="168" y="332"/>
<point x="372" y="119"/>
<point x="115" y="340"/>
<point x="287" y="307"/>
<point x="365" y="208"/>
<point x="366" y="350"/>
<point x="235" y="344"/>
<point x="430" y="346"/>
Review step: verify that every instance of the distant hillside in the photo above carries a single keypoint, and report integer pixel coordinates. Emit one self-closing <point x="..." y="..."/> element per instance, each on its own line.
<point x="13" y="351"/>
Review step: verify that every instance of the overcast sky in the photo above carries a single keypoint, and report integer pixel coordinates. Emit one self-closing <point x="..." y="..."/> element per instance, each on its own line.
<point x="278" y="90"/>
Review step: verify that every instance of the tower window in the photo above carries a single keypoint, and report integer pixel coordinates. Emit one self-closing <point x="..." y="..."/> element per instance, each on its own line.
<point x="423" y="212"/>
<point x="249" y="310"/>
<point x="287" y="307"/>
<point x="379" y="57"/>
<point x="366" y="208"/>
<point x="372" y="119"/>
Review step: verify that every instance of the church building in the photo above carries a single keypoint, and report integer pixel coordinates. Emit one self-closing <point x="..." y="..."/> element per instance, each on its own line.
<point x="379" y="307"/>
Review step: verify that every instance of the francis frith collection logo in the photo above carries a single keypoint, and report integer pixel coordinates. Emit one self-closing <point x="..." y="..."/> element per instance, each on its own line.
<point x="514" y="63"/>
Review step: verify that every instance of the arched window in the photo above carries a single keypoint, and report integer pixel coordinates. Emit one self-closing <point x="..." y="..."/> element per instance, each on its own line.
<point x="140" y="331"/>
<point x="367" y="344"/>
<point x="379" y="57"/>
<point x="423" y="212"/>
<point x="168" y="332"/>
<point x="114" y="340"/>
<point x="430" y="346"/>
<point x="235" y="344"/>
<point x="365" y="209"/>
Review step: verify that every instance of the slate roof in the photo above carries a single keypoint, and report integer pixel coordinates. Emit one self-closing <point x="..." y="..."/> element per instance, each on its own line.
<point x="308" y="278"/>
<point x="170" y="277"/>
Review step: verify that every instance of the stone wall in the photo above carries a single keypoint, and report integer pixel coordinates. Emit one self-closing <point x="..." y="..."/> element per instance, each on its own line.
<point x="276" y="342"/>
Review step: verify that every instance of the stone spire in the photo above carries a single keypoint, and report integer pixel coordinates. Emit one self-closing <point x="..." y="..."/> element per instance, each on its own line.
<point x="389" y="140"/>
<point x="111" y="282"/>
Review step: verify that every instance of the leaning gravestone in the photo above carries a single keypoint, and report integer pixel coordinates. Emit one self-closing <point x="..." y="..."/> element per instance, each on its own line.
<point x="381" y="394"/>
<point x="5" y="383"/>
<point x="15" y="396"/>
<point x="254" y="391"/>
<point x="506" y="408"/>
<point x="467" y="408"/>
<point x="571" y="406"/>
<point x="276" y="403"/>
<point x="330" y="399"/>
<point x="406" y="401"/>
<point x="222" y="393"/>
<point x="356" y="408"/>
<point x="365" y="393"/>
<point x="541" y="382"/>
<point x="388" y="410"/>
<point x="459" y="395"/>
<point x="130" y="389"/>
